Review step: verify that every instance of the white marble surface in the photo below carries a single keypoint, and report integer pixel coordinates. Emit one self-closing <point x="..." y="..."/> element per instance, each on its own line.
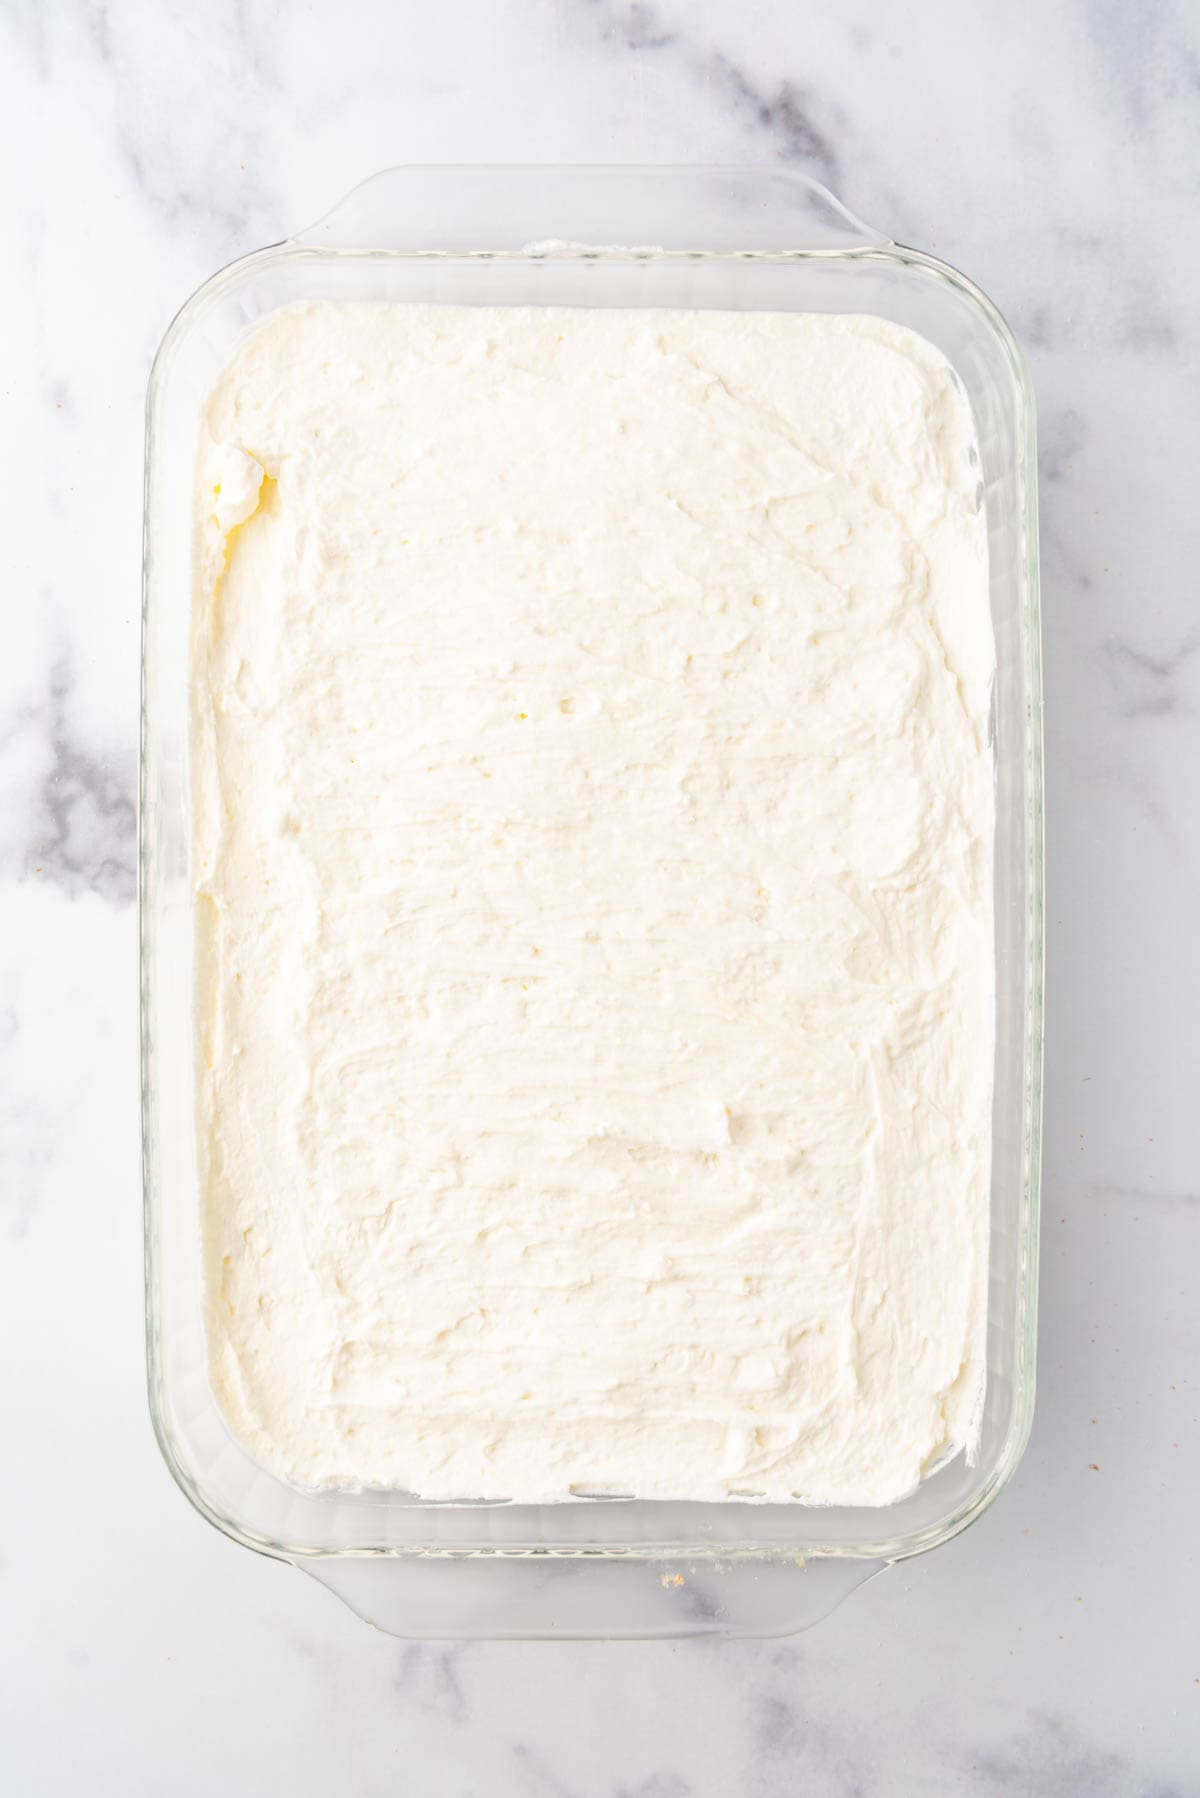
<point x="1052" y="152"/>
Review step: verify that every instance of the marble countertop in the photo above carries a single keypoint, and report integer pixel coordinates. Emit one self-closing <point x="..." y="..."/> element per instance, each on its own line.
<point x="1054" y="154"/>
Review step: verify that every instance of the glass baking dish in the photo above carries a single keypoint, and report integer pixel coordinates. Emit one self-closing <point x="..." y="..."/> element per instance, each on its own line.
<point x="721" y="238"/>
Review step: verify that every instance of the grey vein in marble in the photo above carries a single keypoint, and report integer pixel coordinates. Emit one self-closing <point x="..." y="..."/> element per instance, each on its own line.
<point x="1187" y="1197"/>
<point x="1148" y="685"/>
<point x="656" y="1785"/>
<point x="786" y="1733"/>
<point x="535" y="1777"/>
<point x="1062" y="436"/>
<point x="1150" y="55"/>
<point x="430" y="1674"/>
<point x="82" y="836"/>
<point x="785" y="114"/>
<point x="1048" y="1756"/>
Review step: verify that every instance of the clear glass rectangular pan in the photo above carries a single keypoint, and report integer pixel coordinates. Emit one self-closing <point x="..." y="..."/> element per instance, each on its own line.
<point x="726" y="238"/>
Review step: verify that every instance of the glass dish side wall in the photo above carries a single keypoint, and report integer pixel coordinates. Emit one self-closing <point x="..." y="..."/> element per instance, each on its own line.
<point x="215" y="1472"/>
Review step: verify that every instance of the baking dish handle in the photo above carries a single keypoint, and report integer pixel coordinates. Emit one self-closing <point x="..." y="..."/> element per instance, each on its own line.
<point x="555" y="209"/>
<point x="578" y="1598"/>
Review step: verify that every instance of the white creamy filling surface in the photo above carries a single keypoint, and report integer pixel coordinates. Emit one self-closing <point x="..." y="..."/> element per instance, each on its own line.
<point x="593" y="859"/>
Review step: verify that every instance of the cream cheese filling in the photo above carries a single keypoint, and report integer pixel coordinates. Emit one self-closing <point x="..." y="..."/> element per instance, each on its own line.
<point x="593" y="860"/>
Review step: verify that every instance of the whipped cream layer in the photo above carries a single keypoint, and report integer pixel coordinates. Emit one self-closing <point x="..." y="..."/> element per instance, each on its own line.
<point x="593" y="860"/>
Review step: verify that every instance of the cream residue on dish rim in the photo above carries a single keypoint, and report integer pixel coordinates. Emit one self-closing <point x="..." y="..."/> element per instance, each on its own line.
<point x="593" y="860"/>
